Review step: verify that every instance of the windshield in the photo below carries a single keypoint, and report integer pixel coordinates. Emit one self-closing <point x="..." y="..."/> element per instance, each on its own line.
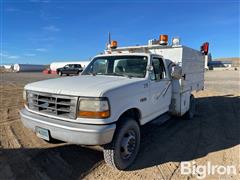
<point x="129" y="66"/>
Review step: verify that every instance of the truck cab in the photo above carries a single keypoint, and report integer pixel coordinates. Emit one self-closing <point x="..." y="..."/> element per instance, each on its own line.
<point x="146" y="78"/>
<point x="119" y="91"/>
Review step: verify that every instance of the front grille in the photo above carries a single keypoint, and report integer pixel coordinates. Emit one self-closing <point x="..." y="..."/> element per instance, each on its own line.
<point x="57" y="105"/>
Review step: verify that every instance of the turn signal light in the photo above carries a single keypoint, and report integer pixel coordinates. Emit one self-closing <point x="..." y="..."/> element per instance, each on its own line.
<point x="163" y="39"/>
<point x="91" y="114"/>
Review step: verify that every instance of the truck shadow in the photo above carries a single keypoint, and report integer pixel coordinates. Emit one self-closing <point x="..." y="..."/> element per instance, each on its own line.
<point x="61" y="162"/>
<point x="216" y="127"/>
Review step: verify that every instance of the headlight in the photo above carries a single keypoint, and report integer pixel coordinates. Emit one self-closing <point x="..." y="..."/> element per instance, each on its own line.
<point x="94" y="108"/>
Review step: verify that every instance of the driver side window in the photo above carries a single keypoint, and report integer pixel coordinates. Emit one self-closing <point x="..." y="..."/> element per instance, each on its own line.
<point x="159" y="69"/>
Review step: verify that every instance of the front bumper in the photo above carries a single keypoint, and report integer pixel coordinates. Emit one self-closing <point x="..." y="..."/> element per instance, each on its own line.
<point x="68" y="131"/>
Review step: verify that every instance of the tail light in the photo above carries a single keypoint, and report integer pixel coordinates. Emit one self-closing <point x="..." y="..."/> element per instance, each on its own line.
<point x="204" y="48"/>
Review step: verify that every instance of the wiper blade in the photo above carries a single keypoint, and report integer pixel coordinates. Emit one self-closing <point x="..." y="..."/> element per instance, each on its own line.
<point x="110" y="74"/>
<point x="124" y="75"/>
<point x="116" y="74"/>
<point x="92" y="73"/>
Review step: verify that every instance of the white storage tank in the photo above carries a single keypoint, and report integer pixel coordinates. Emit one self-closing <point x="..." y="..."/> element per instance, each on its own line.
<point x="8" y="67"/>
<point x="28" y="67"/>
<point x="55" y="65"/>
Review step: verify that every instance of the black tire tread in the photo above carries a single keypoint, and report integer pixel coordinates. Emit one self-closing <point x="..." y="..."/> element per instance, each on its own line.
<point x="108" y="157"/>
<point x="108" y="151"/>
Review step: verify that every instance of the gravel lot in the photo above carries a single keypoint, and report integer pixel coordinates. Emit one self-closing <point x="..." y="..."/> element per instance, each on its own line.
<point x="212" y="136"/>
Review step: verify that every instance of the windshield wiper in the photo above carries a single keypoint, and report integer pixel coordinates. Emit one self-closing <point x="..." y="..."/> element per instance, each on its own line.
<point x="124" y="75"/>
<point x="91" y="73"/>
<point x="110" y="74"/>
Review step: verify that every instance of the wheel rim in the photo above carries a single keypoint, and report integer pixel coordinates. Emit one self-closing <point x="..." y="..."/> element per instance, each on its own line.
<point x="128" y="144"/>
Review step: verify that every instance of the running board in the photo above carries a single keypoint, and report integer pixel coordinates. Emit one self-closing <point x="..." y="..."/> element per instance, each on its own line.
<point x="160" y="119"/>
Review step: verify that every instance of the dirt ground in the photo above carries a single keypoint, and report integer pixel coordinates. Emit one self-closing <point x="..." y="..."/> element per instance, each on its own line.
<point x="212" y="136"/>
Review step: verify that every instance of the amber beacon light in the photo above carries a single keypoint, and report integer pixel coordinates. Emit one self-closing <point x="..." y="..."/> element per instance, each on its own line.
<point x="113" y="44"/>
<point x="163" y="39"/>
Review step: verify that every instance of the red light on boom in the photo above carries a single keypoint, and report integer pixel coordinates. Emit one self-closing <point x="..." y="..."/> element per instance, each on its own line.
<point x="204" y="48"/>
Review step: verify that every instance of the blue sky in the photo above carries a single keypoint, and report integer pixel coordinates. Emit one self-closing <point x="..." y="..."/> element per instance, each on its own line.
<point x="42" y="31"/>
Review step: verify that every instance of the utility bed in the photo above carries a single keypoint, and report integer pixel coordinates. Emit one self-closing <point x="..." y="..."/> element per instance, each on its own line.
<point x="190" y="60"/>
<point x="192" y="64"/>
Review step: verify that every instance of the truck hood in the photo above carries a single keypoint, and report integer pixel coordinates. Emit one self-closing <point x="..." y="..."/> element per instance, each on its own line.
<point x="86" y="85"/>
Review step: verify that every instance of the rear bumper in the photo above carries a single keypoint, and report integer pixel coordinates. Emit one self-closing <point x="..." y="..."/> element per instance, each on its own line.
<point x="68" y="131"/>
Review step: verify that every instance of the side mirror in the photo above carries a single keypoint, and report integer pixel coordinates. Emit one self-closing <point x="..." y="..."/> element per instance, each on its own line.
<point x="176" y="72"/>
<point x="149" y="68"/>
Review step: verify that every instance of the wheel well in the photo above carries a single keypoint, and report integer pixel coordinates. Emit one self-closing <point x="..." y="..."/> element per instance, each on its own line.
<point x="132" y="113"/>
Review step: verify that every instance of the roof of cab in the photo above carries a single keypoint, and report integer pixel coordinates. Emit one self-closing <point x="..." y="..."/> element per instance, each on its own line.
<point x="126" y="54"/>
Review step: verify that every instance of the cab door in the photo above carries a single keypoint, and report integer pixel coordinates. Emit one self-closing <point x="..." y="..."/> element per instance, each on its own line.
<point x="160" y="87"/>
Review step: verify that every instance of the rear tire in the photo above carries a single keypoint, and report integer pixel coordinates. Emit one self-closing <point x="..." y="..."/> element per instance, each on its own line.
<point x="192" y="109"/>
<point x="123" y="149"/>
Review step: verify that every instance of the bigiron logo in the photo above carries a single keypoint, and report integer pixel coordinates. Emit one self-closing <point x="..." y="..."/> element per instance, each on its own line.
<point x="202" y="171"/>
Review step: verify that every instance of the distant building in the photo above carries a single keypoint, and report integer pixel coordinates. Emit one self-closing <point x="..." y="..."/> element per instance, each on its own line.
<point x="220" y="64"/>
<point x="224" y="63"/>
<point x="6" y="66"/>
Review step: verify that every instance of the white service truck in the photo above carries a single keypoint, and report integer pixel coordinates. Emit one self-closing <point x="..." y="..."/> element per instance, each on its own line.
<point x="119" y="91"/>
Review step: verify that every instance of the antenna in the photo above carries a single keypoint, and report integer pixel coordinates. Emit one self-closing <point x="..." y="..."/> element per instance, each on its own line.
<point x="109" y="41"/>
<point x="109" y="38"/>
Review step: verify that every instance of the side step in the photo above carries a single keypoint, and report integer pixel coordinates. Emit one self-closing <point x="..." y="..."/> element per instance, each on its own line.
<point x="160" y="119"/>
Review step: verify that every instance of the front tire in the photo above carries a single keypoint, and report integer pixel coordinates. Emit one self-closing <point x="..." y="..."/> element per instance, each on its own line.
<point x="60" y="73"/>
<point x="123" y="149"/>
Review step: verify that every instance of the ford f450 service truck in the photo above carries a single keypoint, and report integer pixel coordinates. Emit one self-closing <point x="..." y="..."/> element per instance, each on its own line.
<point x="119" y="91"/>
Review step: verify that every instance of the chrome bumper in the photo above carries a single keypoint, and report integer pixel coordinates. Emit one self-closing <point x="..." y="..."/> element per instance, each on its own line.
<point x="76" y="133"/>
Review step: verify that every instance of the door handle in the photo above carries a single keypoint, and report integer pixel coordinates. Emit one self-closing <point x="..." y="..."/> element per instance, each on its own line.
<point x="184" y="77"/>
